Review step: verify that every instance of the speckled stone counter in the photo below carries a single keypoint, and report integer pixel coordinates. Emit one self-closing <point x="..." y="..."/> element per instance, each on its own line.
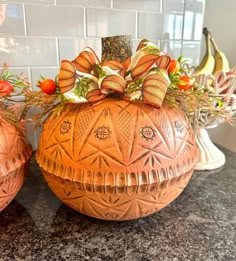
<point x="199" y="225"/>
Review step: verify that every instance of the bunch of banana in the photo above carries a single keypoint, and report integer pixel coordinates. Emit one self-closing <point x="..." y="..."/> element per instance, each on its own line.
<point x="221" y="61"/>
<point x="211" y="64"/>
<point x="207" y="63"/>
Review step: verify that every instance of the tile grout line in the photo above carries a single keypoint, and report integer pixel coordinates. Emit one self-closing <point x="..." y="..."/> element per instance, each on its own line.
<point x="161" y="6"/>
<point x="57" y="51"/>
<point x="85" y="23"/>
<point x="182" y="35"/>
<point x="25" y="25"/>
<point x="30" y="76"/>
<point x="136" y="25"/>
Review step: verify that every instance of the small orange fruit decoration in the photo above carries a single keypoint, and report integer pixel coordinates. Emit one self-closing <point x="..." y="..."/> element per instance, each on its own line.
<point x="184" y="82"/>
<point x="48" y="86"/>
<point x="116" y="158"/>
<point x="173" y="67"/>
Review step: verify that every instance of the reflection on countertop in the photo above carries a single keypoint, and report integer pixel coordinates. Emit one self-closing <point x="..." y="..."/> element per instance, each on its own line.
<point x="199" y="225"/>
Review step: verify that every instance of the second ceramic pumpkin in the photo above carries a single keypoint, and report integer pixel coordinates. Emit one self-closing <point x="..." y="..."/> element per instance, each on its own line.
<point x="15" y="153"/>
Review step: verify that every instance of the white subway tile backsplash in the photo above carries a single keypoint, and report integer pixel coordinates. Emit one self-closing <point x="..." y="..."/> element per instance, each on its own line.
<point x="147" y="5"/>
<point x="173" y="5"/>
<point x="193" y="26"/>
<point x="69" y="48"/>
<point x="28" y="51"/>
<point x="11" y="19"/>
<point x="160" y="26"/>
<point x="46" y="2"/>
<point x="191" y="52"/>
<point x="173" y="48"/>
<point x="56" y="21"/>
<point x="105" y="22"/>
<point x="87" y="3"/>
<point x="193" y="21"/>
<point x="24" y="71"/>
<point x="195" y="5"/>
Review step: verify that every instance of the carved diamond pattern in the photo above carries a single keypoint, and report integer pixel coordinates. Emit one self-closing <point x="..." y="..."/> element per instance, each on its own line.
<point x="164" y="125"/>
<point x="125" y="124"/>
<point x="84" y="121"/>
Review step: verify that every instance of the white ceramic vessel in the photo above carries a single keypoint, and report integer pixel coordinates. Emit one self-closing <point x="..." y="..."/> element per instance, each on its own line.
<point x="211" y="157"/>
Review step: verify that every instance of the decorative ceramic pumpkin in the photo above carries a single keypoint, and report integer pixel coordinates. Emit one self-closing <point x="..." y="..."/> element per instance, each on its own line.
<point x="117" y="160"/>
<point x="15" y="153"/>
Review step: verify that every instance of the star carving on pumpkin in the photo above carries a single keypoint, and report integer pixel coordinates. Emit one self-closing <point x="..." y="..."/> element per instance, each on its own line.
<point x="151" y="155"/>
<point x="101" y="156"/>
<point x="118" y="208"/>
<point x="58" y="148"/>
<point x="186" y="144"/>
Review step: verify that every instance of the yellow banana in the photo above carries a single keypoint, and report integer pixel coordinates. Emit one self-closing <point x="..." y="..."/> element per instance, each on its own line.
<point x="221" y="61"/>
<point x="207" y="63"/>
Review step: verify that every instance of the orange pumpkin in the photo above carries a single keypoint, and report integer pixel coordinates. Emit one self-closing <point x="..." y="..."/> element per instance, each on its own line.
<point x="117" y="160"/>
<point x="15" y="153"/>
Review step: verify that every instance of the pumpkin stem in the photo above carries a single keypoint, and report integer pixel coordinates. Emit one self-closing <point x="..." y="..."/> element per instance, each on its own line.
<point x="117" y="48"/>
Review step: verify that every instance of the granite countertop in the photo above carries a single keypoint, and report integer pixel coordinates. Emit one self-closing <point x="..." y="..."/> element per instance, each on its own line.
<point x="199" y="225"/>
